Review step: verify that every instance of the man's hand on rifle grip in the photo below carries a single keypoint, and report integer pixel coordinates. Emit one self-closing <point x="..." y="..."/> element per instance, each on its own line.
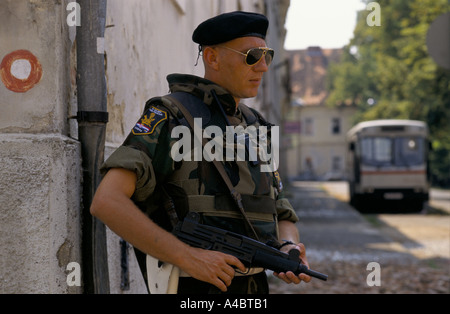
<point x="290" y="277"/>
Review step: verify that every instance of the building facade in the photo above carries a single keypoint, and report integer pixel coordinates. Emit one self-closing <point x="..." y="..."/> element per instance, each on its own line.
<point x="315" y="131"/>
<point x="40" y="152"/>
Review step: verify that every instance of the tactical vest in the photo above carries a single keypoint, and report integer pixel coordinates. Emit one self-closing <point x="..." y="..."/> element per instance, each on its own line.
<point x="197" y="186"/>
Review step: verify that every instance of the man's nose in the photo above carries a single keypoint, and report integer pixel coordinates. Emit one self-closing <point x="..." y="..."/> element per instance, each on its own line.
<point x="261" y="66"/>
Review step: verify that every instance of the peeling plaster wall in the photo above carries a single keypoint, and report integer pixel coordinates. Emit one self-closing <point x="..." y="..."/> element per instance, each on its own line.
<point x="39" y="212"/>
<point x="144" y="42"/>
<point x="39" y="27"/>
<point x="39" y="164"/>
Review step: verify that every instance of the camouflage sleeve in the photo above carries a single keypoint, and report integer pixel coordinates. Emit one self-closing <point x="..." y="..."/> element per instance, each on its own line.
<point x="134" y="160"/>
<point x="145" y="149"/>
<point x="285" y="210"/>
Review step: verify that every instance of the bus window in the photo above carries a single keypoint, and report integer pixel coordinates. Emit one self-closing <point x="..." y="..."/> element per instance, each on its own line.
<point x="409" y="151"/>
<point x="376" y="151"/>
<point x="384" y="151"/>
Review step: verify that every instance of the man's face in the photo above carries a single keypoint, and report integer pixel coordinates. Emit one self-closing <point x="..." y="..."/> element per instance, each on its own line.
<point x="241" y="80"/>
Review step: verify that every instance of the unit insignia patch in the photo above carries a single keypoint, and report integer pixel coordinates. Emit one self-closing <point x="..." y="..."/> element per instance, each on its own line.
<point x="147" y="124"/>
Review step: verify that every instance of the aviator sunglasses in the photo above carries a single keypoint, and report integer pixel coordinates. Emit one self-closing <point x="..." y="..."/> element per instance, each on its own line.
<point x="254" y="55"/>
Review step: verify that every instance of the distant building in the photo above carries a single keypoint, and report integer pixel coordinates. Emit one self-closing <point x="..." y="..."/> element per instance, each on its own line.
<point x="315" y="132"/>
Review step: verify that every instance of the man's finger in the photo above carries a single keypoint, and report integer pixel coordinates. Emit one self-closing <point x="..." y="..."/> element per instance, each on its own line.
<point x="234" y="261"/>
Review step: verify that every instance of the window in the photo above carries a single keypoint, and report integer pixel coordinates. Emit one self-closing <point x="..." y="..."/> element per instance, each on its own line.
<point x="336" y="164"/>
<point x="336" y="126"/>
<point x="409" y="151"/>
<point x="309" y="126"/>
<point x="376" y="151"/>
<point x="385" y="151"/>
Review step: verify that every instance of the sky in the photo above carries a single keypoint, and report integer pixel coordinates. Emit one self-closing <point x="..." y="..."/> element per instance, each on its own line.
<point x="324" y="23"/>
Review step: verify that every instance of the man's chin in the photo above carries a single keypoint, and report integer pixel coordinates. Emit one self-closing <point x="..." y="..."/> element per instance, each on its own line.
<point x="252" y="94"/>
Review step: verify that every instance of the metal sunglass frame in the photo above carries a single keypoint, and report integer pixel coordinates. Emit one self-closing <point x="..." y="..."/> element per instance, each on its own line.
<point x="265" y="52"/>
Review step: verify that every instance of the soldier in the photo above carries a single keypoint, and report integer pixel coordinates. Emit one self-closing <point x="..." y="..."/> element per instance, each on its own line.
<point x="142" y="179"/>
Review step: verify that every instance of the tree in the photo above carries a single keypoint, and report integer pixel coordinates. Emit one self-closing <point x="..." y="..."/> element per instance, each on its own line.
<point x="387" y="72"/>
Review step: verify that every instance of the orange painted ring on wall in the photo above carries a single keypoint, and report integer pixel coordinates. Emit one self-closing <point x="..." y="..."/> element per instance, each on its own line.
<point x="30" y="74"/>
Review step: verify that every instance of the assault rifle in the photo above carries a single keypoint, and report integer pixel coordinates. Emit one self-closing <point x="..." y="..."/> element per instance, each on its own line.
<point x="250" y="252"/>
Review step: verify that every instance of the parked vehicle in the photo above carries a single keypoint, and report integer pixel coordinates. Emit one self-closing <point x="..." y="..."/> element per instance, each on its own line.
<point x="388" y="162"/>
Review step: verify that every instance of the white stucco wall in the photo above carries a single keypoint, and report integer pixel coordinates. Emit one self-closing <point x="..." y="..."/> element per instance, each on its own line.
<point x="144" y="42"/>
<point x="39" y="164"/>
<point x="40" y="159"/>
<point x="39" y="212"/>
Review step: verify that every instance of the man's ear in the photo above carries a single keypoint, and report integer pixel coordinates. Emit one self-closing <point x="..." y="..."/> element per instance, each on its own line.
<point x="211" y="57"/>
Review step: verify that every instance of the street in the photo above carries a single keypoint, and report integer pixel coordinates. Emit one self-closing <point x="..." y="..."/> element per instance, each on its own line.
<point x="411" y="250"/>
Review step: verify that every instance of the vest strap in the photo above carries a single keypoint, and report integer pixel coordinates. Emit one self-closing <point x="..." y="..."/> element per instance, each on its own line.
<point x="220" y="205"/>
<point x="219" y="166"/>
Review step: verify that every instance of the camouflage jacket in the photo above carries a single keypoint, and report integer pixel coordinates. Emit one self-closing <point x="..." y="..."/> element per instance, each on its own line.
<point x="195" y="185"/>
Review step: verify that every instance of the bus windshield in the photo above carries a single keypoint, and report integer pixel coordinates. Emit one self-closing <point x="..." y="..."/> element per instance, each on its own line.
<point x="387" y="151"/>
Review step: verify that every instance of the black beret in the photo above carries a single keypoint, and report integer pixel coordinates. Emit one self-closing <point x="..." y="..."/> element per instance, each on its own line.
<point x="229" y="26"/>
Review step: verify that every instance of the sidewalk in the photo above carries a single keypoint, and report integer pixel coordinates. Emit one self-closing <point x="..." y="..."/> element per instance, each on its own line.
<point x="439" y="198"/>
<point x="341" y="243"/>
<point x="332" y="229"/>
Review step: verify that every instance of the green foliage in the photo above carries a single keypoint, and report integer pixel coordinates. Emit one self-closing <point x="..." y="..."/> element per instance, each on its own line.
<point x="386" y="72"/>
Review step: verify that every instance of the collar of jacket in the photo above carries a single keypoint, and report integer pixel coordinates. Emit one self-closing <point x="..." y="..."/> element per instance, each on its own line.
<point x="202" y="88"/>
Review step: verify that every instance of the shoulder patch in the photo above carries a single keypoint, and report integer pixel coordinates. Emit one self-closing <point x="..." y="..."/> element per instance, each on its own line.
<point x="277" y="181"/>
<point x="147" y="124"/>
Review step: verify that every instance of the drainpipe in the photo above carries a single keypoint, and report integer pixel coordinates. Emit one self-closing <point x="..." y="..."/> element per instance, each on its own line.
<point x="92" y="117"/>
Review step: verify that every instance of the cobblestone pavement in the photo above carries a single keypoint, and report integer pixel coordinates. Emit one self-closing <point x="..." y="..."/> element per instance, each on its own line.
<point x="341" y="243"/>
<point x="430" y="276"/>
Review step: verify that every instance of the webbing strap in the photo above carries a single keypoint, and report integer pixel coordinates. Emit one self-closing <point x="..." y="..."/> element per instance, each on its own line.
<point x="210" y="205"/>
<point x="219" y="166"/>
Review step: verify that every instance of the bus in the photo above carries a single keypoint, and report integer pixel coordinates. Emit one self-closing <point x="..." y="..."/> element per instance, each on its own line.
<point x="387" y="162"/>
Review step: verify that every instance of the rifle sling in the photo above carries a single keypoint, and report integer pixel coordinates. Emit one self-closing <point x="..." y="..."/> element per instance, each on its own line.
<point x="219" y="166"/>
